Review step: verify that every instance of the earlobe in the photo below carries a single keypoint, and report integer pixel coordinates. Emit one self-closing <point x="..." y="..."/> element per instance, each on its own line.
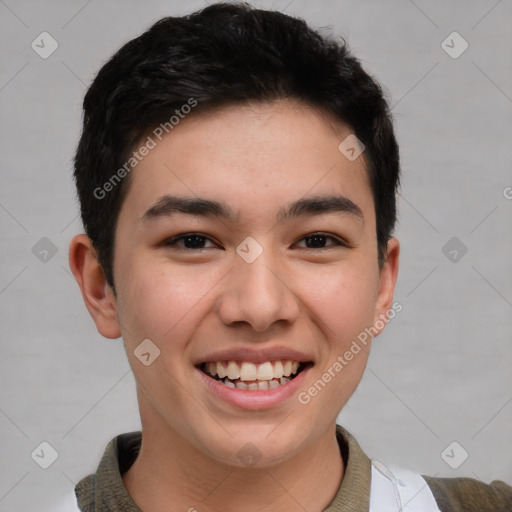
<point x="98" y="296"/>
<point x="387" y="280"/>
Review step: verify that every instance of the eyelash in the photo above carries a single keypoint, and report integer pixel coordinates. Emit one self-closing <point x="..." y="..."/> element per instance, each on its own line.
<point x="172" y="242"/>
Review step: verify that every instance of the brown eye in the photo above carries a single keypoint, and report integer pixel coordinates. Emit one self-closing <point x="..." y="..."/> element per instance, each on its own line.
<point x="320" y="241"/>
<point x="189" y="241"/>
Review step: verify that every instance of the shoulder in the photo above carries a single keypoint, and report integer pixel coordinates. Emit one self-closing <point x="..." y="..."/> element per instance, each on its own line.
<point x="106" y="486"/>
<point x="398" y="489"/>
<point x="470" y="495"/>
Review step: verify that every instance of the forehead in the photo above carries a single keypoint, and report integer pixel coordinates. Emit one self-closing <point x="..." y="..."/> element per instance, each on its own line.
<point x="250" y="155"/>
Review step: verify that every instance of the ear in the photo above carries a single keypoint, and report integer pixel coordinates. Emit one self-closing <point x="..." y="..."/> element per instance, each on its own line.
<point x="98" y="296"/>
<point x="387" y="280"/>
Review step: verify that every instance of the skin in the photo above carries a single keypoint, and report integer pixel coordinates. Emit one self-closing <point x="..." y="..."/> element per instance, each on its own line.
<point x="257" y="159"/>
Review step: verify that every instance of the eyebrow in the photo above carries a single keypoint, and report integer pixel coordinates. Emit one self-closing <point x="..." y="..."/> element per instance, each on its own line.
<point x="168" y="205"/>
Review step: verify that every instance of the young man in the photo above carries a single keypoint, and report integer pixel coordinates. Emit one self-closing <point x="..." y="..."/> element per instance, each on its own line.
<point x="237" y="176"/>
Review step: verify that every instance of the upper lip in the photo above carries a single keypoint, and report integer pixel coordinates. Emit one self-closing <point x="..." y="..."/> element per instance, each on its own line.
<point x="257" y="356"/>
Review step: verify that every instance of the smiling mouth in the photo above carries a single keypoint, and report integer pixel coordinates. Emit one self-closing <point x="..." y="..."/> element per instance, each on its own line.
<point x="254" y="377"/>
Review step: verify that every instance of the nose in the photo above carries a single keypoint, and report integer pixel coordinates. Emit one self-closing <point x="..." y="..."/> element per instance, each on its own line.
<point x="258" y="294"/>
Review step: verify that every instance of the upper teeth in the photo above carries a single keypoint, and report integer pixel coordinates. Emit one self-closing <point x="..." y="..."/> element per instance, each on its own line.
<point x="250" y="371"/>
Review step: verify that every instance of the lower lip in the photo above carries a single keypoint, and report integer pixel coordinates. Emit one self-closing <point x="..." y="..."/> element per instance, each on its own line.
<point x="254" y="400"/>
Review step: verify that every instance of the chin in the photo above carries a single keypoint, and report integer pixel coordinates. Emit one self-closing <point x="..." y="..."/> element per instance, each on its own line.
<point x="257" y="447"/>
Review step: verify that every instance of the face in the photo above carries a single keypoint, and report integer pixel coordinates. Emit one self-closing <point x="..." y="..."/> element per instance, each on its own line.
<point x="246" y="252"/>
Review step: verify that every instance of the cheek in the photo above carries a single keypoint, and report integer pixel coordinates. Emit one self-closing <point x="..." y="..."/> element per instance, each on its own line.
<point x="160" y="301"/>
<point x="342" y="298"/>
<point x="344" y="303"/>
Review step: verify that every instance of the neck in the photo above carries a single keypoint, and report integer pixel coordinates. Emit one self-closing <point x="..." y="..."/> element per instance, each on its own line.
<point x="169" y="470"/>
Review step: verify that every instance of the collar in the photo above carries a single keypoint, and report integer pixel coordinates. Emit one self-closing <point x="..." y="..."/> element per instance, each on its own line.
<point x="105" y="491"/>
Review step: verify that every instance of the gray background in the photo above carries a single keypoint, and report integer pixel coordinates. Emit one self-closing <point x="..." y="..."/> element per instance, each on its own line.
<point x="441" y="372"/>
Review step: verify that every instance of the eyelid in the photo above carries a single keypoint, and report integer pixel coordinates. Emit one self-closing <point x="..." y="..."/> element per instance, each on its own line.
<point x="339" y="242"/>
<point x="173" y="241"/>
